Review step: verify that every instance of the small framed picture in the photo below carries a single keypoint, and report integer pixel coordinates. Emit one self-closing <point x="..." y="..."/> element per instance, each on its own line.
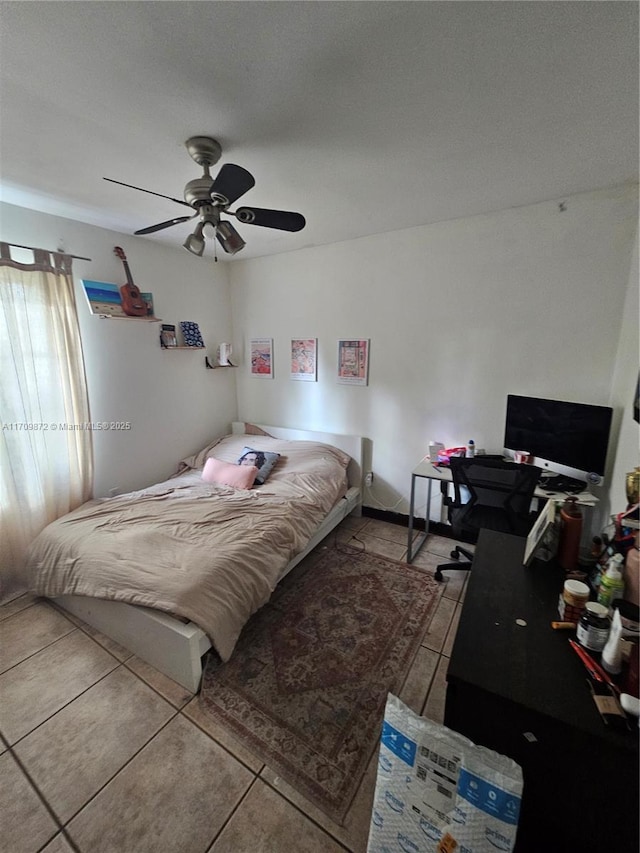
<point x="304" y="364"/>
<point x="261" y="357"/>
<point x="353" y="362"/>
<point x="536" y="535"/>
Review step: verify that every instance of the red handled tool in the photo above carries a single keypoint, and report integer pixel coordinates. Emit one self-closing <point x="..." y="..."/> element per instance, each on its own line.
<point x="594" y="669"/>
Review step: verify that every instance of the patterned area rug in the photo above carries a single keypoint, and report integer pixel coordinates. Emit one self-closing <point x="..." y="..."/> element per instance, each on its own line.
<point x="306" y="686"/>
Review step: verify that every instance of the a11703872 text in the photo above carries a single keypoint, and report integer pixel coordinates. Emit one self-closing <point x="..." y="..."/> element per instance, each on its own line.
<point x="58" y="426"/>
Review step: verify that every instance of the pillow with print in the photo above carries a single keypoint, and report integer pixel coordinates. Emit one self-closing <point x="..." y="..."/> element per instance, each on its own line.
<point x="264" y="460"/>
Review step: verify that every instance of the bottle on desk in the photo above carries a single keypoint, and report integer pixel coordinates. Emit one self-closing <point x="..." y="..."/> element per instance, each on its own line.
<point x="570" y="532"/>
<point x="612" y="582"/>
<point x="471" y="449"/>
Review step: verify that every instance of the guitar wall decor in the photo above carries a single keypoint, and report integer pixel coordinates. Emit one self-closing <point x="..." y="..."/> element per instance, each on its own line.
<point x="132" y="302"/>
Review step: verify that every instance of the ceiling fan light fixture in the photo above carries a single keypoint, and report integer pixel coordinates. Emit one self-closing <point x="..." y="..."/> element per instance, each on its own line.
<point x="229" y="238"/>
<point x="195" y="242"/>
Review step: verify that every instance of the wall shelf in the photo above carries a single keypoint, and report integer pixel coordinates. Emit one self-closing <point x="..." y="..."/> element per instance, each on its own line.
<point x="210" y="366"/>
<point x="193" y="349"/>
<point x="138" y="319"/>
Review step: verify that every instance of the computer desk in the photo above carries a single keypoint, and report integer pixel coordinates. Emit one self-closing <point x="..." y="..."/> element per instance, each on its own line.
<point x="431" y="472"/>
<point x="515" y="685"/>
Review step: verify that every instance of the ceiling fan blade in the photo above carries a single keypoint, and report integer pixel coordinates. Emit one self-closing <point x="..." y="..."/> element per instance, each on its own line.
<point x="177" y="200"/>
<point x="282" y="219"/>
<point x="162" y="225"/>
<point x="231" y="182"/>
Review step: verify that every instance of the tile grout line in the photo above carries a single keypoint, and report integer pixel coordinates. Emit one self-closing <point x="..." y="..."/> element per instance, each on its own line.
<point x="225" y="823"/>
<point x="66" y="837"/>
<point x="47" y="645"/>
<point x="63" y="826"/>
<point x="58" y="710"/>
<point x="218" y="742"/>
<point x="308" y="816"/>
<point x="41" y="797"/>
<point x="118" y="771"/>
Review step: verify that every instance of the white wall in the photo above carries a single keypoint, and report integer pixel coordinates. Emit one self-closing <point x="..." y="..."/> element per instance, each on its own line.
<point x="461" y="313"/>
<point x="175" y="405"/>
<point x="530" y="300"/>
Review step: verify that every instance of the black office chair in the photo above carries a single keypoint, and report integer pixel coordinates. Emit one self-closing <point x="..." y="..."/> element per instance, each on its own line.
<point x="500" y="495"/>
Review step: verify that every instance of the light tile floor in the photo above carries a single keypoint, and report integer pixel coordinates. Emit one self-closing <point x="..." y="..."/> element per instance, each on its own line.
<point x="100" y="753"/>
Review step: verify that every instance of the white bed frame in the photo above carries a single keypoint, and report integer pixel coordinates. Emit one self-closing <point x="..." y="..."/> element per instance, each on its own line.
<point x="176" y="647"/>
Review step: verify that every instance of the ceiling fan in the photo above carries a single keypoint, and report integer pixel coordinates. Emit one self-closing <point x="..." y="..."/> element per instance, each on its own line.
<point x="209" y="197"/>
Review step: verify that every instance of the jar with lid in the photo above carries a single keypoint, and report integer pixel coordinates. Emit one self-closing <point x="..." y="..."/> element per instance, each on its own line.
<point x="593" y="628"/>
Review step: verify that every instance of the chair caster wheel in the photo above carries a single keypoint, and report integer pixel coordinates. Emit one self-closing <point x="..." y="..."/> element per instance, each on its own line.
<point x="438" y="576"/>
<point x="455" y="555"/>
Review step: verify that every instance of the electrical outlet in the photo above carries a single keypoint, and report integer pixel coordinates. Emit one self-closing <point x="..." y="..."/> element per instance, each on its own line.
<point x="368" y="478"/>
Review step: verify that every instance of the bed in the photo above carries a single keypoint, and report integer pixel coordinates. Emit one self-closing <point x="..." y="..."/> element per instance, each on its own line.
<point x="176" y="569"/>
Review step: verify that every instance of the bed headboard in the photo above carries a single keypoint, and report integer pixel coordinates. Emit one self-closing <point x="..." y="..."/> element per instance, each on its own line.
<point x="351" y="444"/>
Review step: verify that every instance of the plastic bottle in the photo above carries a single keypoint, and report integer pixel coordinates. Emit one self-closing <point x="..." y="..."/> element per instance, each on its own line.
<point x="612" y="582"/>
<point x="471" y="449"/>
<point x="612" y="652"/>
<point x="570" y="532"/>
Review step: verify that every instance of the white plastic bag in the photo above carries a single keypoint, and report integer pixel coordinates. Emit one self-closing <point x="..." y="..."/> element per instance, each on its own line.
<point x="437" y="792"/>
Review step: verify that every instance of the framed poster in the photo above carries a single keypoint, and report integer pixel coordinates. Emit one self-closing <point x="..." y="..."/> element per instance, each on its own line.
<point x="261" y="357"/>
<point x="304" y="362"/>
<point x="353" y="362"/>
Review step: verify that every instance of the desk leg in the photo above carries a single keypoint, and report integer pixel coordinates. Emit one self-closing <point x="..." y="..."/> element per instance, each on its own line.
<point x="420" y="540"/>
<point x="411" y="509"/>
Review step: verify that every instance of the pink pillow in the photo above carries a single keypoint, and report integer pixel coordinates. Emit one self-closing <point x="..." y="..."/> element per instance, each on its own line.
<point x="228" y="474"/>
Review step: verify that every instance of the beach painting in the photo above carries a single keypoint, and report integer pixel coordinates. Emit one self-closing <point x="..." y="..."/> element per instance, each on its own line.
<point x="104" y="299"/>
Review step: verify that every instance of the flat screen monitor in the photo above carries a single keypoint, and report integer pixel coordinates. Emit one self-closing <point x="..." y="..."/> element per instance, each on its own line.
<point x="568" y="438"/>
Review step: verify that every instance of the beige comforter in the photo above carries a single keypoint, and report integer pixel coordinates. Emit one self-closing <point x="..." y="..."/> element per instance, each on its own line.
<point x="209" y="553"/>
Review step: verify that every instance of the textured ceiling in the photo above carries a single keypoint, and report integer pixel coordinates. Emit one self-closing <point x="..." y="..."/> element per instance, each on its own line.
<point x="365" y="117"/>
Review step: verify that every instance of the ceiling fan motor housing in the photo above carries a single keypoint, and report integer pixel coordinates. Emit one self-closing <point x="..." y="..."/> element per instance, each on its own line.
<point x="198" y="191"/>
<point x="204" y="150"/>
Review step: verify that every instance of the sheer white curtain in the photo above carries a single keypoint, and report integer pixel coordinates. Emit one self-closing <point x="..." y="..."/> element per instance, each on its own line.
<point x="46" y="464"/>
